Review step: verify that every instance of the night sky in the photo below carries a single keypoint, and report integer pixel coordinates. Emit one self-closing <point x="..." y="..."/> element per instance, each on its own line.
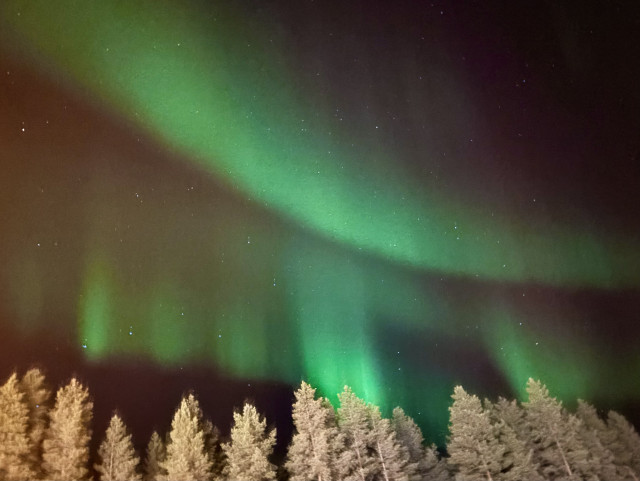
<point x="403" y="196"/>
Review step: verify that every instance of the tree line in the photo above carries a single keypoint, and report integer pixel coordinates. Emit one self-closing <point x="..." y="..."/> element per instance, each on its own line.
<point x="45" y="438"/>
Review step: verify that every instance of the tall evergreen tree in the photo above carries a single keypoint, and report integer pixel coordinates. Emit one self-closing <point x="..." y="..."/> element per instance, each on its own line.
<point x="354" y="422"/>
<point x="623" y="441"/>
<point x="517" y="462"/>
<point x="592" y="431"/>
<point x="511" y="413"/>
<point x="156" y="454"/>
<point x="66" y="442"/>
<point x="433" y="467"/>
<point x="37" y="398"/>
<point x="118" y="459"/>
<point x="315" y="443"/>
<point x="391" y="456"/>
<point x="554" y="435"/>
<point x="474" y="448"/>
<point x="429" y="466"/>
<point x="250" y="447"/>
<point x="14" y="438"/>
<point x="187" y="457"/>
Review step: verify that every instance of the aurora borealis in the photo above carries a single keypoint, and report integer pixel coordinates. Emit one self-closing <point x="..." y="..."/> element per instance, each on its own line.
<point x="399" y="198"/>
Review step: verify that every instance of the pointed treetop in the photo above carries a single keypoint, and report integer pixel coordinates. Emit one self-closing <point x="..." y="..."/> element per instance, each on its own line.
<point x="187" y="457"/>
<point x="250" y="447"/>
<point x="118" y="459"/>
<point x="156" y="454"/>
<point x="14" y="439"/>
<point x="66" y="444"/>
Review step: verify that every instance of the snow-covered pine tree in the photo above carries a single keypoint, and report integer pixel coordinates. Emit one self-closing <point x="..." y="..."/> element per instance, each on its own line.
<point x="475" y="451"/>
<point x="14" y="438"/>
<point x="554" y="433"/>
<point x="156" y="454"/>
<point x="315" y="443"/>
<point x="623" y="441"/>
<point x="391" y="456"/>
<point x="434" y="466"/>
<point x="65" y="449"/>
<point x="517" y="462"/>
<point x="590" y="418"/>
<point x="511" y="413"/>
<point x="342" y="456"/>
<point x="353" y="421"/>
<point x="428" y="462"/>
<point x="187" y="458"/>
<point x="250" y="447"/>
<point x="592" y="430"/>
<point x="37" y="397"/>
<point x="118" y="458"/>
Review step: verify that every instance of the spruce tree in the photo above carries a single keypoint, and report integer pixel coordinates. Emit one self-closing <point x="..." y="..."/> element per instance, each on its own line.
<point x="250" y="447"/>
<point x="156" y="454"/>
<point x="429" y="466"/>
<point x="354" y="423"/>
<point x="391" y="456"/>
<point x="14" y="439"/>
<point x="474" y="448"/>
<point x="511" y="413"/>
<point x="118" y="459"/>
<point x="315" y="443"/>
<point x="66" y="442"/>
<point x="623" y="441"/>
<point x="554" y="435"/>
<point x="187" y="457"/>
<point x="592" y="431"/>
<point x="517" y="462"/>
<point x="37" y="397"/>
<point x="433" y="467"/>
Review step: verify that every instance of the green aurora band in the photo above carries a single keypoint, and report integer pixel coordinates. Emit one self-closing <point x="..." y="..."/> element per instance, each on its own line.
<point x="223" y="99"/>
<point x="226" y="99"/>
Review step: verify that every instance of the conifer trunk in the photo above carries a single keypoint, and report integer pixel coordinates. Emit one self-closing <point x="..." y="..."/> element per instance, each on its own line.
<point x="384" y="468"/>
<point x="564" y="460"/>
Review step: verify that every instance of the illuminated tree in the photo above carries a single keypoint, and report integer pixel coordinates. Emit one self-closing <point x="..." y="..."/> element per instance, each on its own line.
<point x="593" y="431"/>
<point x="14" y="439"/>
<point x="187" y="457"/>
<point x="474" y="448"/>
<point x="353" y="421"/>
<point x="250" y="447"/>
<point x="66" y="442"/>
<point x="433" y="467"/>
<point x="511" y="413"/>
<point x="428" y="464"/>
<point x="391" y="456"/>
<point x="554" y="436"/>
<point x="118" y="459"/>
<point x="316" y="442"/>
<point x="507" y="418"/>
<point x="156" y="454"/>
<point x="623" y="441"/>
<point x="37" y="397"/>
